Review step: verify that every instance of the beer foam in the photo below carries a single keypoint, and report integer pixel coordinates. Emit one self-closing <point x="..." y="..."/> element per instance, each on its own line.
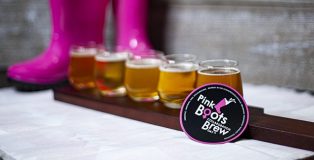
<point x="83" y="54"/>
<point x="143" y="63"/>
<point x="111" y="58"/>
<point x="218" y="71"/>
<point x="180" y="67"/>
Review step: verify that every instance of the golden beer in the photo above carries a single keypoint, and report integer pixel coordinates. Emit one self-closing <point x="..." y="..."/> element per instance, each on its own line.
<point x="81" y="69"/>
<point x="109" y="73"/>
<point x="141" y="79"/>
<point x="176" y="81"/>
<point x="227" y="74"/>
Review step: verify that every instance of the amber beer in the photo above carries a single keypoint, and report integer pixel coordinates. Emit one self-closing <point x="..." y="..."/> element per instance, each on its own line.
<point x="175" y="83"/>
<point x="109" y="73"/>
<point x="227" y="74"/>
<point x="81" y="69"/>
<point x="141" y="78"/>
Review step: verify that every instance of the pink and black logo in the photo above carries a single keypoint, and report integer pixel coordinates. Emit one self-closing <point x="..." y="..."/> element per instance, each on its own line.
<point x="214" y="113"/>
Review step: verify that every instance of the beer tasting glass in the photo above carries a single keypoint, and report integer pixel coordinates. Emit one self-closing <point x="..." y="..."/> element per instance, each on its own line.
<point x="222" y="71"/>
<point x="81" y="68"/>
<point x="109" y="73"/>
<point x="177" y="79"/>
<point x="141" y="76"/>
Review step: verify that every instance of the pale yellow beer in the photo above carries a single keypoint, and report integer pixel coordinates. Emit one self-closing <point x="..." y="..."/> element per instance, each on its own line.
<point x="220" y="71"/>
<point x="141" y="79"/>
<point x="109" y="73"/>
<point x="176" y="81"/>
<point x="81" y="68"/>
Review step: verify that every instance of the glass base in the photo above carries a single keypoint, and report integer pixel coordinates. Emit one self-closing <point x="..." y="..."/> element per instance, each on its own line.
<point x="145" y="99"/>
<point x="83" y="86"/>
<point x="172" y="105"/>
<point x="120" y="92"/>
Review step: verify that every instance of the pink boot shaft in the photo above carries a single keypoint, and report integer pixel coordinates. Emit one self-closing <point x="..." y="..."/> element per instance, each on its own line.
<point x="78" y="23"/>
<point x="131" y="22"/>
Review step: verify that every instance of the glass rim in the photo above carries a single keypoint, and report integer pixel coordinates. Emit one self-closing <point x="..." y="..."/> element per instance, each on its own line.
<point x="146" y="56"/>
<point x="89" y="45"/>
<point x="107" y="56"/>
<point x="143" y="52"/>
<point x="77" y="47"/>
<point x="109" y="53"/>
<point x="219" y="63"/>
<point x="192" y="56"/>
<point x="179" y="58"/>
<point x="83" y="51"/>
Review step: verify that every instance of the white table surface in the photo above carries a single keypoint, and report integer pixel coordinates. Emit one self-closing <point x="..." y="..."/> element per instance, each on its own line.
<point x="33" y="126"/>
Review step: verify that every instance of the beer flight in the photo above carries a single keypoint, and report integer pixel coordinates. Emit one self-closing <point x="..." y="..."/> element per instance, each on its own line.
<point x="148" y="76"/>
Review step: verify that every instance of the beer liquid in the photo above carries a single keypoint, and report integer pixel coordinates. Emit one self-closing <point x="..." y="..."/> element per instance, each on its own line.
<point x="176" y="81"/>
<point x="227" y="76"/>
<point x="81" y="71"/>
<point x="141" y="79"/>
<point x="109" y="75"/>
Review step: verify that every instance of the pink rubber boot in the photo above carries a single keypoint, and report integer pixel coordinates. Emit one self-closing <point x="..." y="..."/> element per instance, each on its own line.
<point x="131" y="22"/>
<point x="76" y="22"/>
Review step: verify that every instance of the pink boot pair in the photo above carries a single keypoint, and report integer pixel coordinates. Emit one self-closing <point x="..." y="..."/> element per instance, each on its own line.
<point x="80" y="22"/>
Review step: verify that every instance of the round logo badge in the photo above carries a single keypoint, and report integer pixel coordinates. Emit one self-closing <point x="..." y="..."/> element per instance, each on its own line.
<point x="214" y="113"/>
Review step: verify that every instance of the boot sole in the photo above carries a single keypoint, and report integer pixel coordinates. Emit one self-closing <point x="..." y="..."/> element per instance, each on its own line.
<point x="30" y="87"/>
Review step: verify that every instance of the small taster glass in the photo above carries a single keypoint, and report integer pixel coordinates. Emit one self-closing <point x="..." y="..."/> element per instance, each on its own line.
<point x="109" y="73"/>
<point x="222" y="71"/>
<point x="141" y="76"/>
<point x="81" y="68"/>
<point x="177" y="79"/>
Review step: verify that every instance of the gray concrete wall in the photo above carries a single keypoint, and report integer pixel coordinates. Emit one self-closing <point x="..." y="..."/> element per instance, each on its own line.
<point x="272" y="39"/>
<point x="24" y="29"/>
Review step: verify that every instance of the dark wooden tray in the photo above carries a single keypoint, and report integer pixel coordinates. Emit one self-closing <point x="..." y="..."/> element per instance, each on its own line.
<point x="268" y="128"/>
